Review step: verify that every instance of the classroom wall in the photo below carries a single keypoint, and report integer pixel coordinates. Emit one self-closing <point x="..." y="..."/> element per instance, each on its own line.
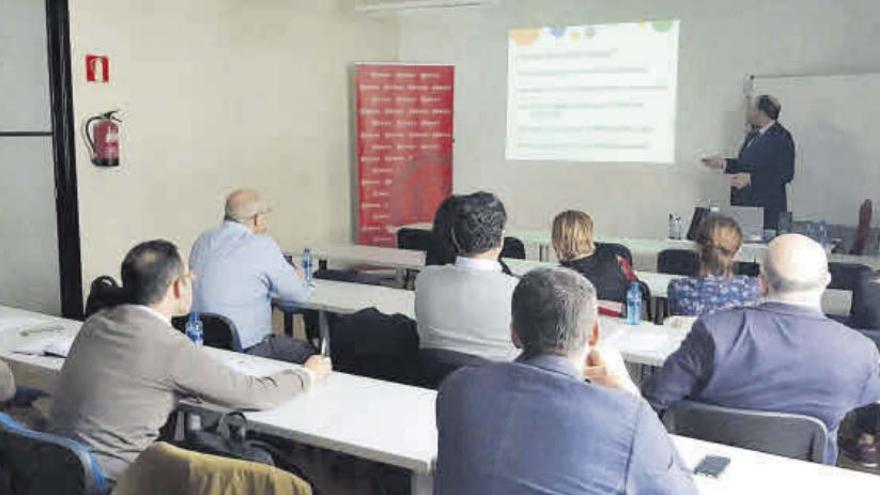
<point x="215" y="95"/>
<point x="721" y="42"/>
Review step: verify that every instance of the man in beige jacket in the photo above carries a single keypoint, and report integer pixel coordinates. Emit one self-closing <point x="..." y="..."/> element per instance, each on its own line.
<point x="128" y="367"/>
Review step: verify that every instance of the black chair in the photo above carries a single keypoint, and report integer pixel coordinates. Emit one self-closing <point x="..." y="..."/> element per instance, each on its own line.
<point x="619" y="250"/>
<point x="376" y="345"/>
<point x="682" y="262"/>
<point x="437" y="364"/>
<point x="415" y="239"/>
<point x="218" y="331"/>
<point x="846" y="276"/>
<point x="747" y="268"/>
<point x="35" y="463"/>
<point x="513" y="248"/>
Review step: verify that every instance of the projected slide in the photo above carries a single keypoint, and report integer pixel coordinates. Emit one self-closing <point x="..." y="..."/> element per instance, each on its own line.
<point x="602" y="93"/>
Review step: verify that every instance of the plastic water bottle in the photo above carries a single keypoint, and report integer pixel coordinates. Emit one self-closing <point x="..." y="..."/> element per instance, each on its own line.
<point x="634" y="304"/>
<point x="307" y="264"/>
<point x="194" y="329"/>
<point x="823" y="234"/>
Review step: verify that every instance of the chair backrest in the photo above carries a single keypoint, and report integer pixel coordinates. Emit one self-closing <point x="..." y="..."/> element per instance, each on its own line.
<point x="33" y="463"/>
<point x="846" y="276"/>
<point x="416" y="239"/>
<point x="165" y="469"/>
<point x="682" y="262"/>
<point x="513" y="248"/>
<point x="788" y="435"/>
<point x="619" y="250"/>
<point x="866" y="211"/>
<point x="437" y="364"/>
<point x="219" y="331"/>
<point x="747" y="268"/>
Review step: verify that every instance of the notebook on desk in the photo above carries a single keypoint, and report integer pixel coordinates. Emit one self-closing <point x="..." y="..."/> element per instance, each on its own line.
<point x="57" y="345"/>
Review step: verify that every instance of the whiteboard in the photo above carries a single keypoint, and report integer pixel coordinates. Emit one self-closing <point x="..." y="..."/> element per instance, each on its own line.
<point x="835" y="122"/>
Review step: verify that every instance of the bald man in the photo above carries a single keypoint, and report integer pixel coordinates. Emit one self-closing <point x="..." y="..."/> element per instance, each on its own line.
<point x="784" y="355"/>
<point x="240" y="270"/>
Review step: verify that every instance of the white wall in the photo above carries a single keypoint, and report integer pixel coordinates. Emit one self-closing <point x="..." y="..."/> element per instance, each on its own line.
<point x="721" y="42"/>
<point x="28" y="233"/>
<point x="219" y="94"/>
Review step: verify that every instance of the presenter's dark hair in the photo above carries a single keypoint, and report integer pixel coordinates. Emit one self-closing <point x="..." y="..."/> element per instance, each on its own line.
<point x="479" y="223"/>
<point x="769" y="105"/>
<point x="149" y="269"/>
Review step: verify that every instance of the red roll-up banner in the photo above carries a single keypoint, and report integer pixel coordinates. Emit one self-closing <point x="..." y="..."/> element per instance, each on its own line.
<point x="404" y="146"/>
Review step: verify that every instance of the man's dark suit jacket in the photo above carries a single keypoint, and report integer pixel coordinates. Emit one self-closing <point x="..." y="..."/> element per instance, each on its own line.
<point x="769" y="157"/>
<point x="773" y="357"/>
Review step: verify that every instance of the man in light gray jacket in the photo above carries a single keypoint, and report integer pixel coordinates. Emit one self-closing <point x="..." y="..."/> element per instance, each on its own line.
<point x="128" y="367"/>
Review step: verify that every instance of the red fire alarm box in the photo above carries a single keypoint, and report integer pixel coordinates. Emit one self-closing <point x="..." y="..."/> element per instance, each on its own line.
<point x="97" y="68"/>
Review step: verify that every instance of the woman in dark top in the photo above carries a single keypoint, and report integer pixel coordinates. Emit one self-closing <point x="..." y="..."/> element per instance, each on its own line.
<point x="441" y="251"/>
<point x="575" y="249"/>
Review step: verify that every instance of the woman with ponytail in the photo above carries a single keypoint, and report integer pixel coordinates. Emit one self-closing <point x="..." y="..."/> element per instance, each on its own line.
<point x="717" y="287"/>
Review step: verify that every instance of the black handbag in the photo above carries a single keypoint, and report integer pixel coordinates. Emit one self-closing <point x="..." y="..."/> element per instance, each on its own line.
<point x="228" y="438"/>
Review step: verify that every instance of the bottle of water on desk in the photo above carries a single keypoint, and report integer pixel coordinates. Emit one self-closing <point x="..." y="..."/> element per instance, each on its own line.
<point x="194" y="329"/>
<point x="307" y="265"/>
<point x="634" y="304"/>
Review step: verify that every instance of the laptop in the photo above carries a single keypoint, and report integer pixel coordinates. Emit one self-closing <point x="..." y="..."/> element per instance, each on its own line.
<point x="750" y="220"/>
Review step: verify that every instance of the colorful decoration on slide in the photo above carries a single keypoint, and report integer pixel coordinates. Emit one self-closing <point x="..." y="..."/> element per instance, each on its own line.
<point x="525" y="37"/>
<point x="662" y="26"/>
<point x="558" y="31"/>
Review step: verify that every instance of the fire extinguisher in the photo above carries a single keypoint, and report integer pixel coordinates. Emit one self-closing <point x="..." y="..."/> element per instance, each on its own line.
<point x="101" y="134"/>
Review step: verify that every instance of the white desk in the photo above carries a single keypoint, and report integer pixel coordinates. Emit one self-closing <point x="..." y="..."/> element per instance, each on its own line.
<point x="395" y="424"/>
<point x="645" y="250"/>
<point x="405" y="259"/>
<point x="379" y="421"/>
<point x="752" y="472"/>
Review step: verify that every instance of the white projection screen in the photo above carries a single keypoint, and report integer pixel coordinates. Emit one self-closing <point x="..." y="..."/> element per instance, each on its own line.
<point x="603" y="93"/>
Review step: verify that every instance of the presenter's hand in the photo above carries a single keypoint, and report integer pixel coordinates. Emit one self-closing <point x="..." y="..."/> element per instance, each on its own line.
<point x="714" y="162"/>
<point x="319" y="365"/>
<point x="739" y="181"/>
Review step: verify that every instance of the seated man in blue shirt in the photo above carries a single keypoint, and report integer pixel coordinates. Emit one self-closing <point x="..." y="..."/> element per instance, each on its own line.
<point x="534" y="426"/>
<point x="784" y="355"/>
<point x="240" y="270"/>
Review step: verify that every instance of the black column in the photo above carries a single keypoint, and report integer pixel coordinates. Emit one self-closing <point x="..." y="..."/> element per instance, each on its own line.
<point x="63" y="134"/>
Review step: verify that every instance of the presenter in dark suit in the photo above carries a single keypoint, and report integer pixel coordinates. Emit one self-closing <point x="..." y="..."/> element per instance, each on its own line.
<point x="765" y="164"/>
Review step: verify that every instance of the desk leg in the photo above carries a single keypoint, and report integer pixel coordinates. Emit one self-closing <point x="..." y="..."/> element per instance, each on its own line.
<point x="324" y="328"/>
<point x="422" y="484"/>
<point x="288" y="323"/>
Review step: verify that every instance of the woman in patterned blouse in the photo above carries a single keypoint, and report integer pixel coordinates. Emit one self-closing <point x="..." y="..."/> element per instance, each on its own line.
<point x="719" y="240"/>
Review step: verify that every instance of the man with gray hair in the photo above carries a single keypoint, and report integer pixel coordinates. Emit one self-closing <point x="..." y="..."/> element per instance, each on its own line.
<point x="783" y="356"/>
<point x="240" y="270"/>
<point x="536" y="426"/>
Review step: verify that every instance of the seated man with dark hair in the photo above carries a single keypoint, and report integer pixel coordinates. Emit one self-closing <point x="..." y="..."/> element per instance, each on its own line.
<point x="535" y="427"/>
<point x="128" y="367"/>
<point x="782" y="356"/>
<point x="465" y="307"/>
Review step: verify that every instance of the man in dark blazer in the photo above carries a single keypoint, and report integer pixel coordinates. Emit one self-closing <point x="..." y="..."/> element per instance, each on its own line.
<point x="563" y="419"/>
<point x="784" y="356"/>
<point x="765" y="164"/>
